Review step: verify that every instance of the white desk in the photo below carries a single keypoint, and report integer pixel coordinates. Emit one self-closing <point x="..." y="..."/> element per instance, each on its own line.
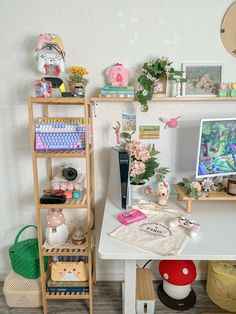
<point x="217" y="241"/>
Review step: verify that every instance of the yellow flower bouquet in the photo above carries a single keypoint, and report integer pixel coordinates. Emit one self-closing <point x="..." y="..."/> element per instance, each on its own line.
<point x="76" y="75"/>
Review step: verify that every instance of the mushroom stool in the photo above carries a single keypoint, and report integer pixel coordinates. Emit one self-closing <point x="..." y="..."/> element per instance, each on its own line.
<point x="175" y="291"/>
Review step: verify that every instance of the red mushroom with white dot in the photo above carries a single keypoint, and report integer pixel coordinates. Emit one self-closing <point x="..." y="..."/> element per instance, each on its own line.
<point x="177" y="277"/>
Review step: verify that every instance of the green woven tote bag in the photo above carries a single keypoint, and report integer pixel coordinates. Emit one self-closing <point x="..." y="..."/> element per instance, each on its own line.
<point x="24" y="256"/>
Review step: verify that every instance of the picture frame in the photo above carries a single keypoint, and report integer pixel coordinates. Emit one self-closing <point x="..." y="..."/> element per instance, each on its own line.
<point x="202" y="78"/>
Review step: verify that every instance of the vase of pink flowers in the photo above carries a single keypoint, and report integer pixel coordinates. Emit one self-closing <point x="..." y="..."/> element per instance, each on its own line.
<point x="143" y="166"/>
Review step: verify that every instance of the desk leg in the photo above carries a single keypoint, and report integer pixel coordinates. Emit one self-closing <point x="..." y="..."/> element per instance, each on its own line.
<point x="129" y="288"/>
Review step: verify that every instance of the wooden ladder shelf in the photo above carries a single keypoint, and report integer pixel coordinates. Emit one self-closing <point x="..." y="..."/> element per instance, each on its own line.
<point x="87" y="200"/>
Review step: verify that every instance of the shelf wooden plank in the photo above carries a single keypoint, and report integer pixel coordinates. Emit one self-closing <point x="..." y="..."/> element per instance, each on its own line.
<point x="112" y="99"/>
<point x="164" y="99"/>
<point x="59" y="100"/>
<point x="61" y="154"/>
<point x="194" y="98"/>
<point x="64" y="252"/>
<point x="67" y="295"/>
<point x="213" y="195"/>
<point x="70" y="203"/>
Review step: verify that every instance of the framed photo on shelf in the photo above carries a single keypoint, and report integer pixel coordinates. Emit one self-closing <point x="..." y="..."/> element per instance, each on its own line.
<point x="202" y="78"/>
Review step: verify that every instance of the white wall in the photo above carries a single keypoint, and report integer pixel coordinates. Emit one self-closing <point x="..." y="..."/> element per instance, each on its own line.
<point x="96" y="34"/>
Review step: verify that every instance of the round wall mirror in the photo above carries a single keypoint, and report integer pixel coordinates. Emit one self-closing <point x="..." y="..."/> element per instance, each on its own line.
<point x="228" y="30"/>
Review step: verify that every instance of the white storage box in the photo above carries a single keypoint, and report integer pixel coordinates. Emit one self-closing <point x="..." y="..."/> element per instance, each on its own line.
<point x="22" y="292"/>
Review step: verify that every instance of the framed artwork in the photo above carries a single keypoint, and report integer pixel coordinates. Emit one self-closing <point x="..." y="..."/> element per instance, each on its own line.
<point x="202" y="78"/>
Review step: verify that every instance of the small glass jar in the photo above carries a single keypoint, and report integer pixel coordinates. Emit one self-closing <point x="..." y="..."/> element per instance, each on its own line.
<point x="79" y="91"/>
<point x="232" y="186"/>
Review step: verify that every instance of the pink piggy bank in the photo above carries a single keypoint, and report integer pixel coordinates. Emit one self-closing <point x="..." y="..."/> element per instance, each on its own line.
<point x="118" y="75"/>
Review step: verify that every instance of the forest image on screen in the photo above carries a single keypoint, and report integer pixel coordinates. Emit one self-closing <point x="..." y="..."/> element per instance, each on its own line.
<point x="217" y="154"/>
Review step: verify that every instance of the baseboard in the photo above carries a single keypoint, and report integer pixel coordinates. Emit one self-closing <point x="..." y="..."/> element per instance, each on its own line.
<point x="108" y="276"/>
<point x="3" y="275"/>
<point x="118" y="276"/>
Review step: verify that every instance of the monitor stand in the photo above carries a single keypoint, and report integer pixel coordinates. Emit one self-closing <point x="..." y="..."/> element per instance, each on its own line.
<point x="213" y="196"/>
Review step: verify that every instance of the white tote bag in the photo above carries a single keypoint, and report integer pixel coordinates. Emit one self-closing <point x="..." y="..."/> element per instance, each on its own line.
<point x="154" y="234"/>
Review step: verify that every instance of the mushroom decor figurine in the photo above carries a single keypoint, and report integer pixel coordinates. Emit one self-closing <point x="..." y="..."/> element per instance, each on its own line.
<point x="56" y="230"/>
<point x="175" y="291"/>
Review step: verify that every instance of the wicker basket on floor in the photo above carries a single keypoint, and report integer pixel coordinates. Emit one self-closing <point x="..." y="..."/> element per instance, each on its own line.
<point x="22" y="292"/>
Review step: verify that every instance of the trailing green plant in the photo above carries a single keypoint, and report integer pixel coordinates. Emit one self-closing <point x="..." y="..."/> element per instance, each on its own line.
<point x="151" y="72"/>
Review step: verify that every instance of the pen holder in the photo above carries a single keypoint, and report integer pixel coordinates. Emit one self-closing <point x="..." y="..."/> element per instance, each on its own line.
<point x="223" y="92"/>
<point x="233" y="92"/>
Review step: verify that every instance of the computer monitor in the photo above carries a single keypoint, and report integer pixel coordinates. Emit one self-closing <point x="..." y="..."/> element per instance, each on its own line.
<point x="216" y="148"/>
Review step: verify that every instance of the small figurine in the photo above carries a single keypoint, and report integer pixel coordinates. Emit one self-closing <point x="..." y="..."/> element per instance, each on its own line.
<point x="56" y="230"/>
<point x="78" y="237"/>
<point x="163" y="192"/>
<point x="118" y="75"/>
<point x="149" y="191"/>
<point x="172" y="123"/>
<point x="207" y="184"/>
<point x="117" y="131"/>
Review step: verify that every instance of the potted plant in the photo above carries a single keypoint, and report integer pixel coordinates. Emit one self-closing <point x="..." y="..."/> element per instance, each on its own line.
<point x="143" y="164"/>
<point x="77" y="81"/>
<point x="176" y="79"/>
<point x="153" y="79"/>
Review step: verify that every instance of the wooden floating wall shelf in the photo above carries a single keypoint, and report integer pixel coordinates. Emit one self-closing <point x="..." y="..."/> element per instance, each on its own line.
<point x="213" y="196"/>
<point x="164" y="99"/>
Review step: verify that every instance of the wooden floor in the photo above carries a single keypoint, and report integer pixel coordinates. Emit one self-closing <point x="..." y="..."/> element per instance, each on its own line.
<point x="107" y="300"/>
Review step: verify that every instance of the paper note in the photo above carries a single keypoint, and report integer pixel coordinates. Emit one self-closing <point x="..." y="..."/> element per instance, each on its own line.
<point x="149" y="131"/>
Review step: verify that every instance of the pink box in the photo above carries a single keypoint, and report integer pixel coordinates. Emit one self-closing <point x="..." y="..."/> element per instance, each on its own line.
<point x="131" y="216"/>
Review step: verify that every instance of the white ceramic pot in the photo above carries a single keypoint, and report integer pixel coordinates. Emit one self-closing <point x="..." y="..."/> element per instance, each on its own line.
<point x="176" y="292"/>
<point x="57" y="236"/>
<point x="137" y="191"/>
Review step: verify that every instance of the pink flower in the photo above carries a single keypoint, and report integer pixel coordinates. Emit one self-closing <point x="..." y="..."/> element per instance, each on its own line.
<point x="137" y="168"/>
<point x="134" y="146"/>
<point x="142" y="155"/>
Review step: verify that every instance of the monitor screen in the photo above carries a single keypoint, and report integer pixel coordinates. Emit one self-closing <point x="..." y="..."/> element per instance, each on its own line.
<point x="216" y="148"/>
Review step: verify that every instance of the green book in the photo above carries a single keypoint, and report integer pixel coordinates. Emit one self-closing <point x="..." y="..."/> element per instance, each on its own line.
<point x="115" y="88"/>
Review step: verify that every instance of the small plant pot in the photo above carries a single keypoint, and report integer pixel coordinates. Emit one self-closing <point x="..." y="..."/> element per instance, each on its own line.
<point x="159" y="88"/>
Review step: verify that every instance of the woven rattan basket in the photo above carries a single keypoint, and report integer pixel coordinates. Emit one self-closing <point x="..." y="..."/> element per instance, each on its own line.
<point x="22" y="292"/>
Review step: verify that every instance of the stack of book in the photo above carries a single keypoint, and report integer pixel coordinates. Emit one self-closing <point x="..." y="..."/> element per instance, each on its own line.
<point x="67" y="286"/>
<point x="117" y="91"/>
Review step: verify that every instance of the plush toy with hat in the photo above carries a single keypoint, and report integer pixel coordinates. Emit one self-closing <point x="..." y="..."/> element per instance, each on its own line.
<point x="175" y="291"/>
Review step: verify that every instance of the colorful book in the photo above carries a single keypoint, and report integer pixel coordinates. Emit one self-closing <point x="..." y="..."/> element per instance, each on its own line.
<point x="117" y="95"/>
<point x="67" y="289"/>
<point x="112" y="92"/>
<point x="63" y="284"/>
<point x="118" y="88"/>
